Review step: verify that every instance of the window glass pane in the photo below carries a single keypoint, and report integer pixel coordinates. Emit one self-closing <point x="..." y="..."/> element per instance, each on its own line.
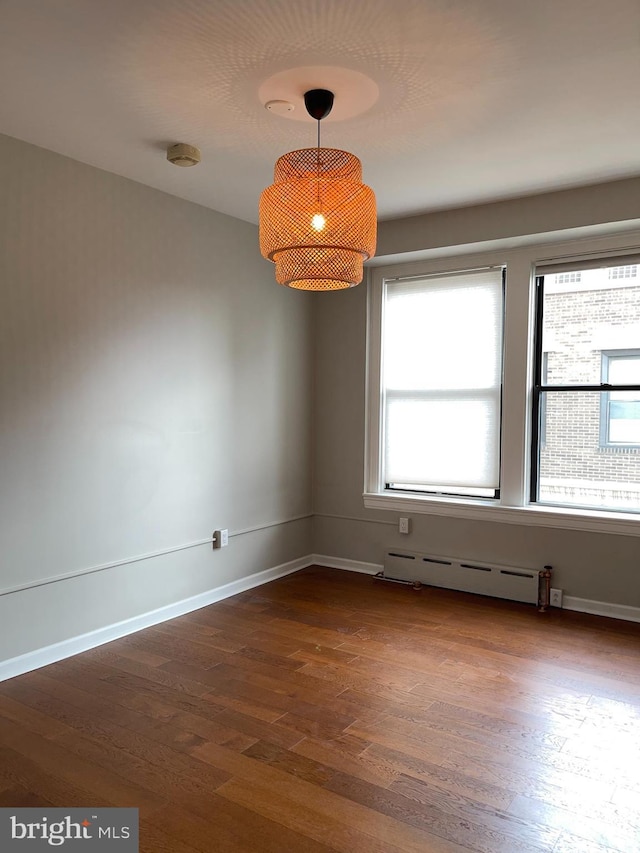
<point x="583" y="319"/>
<point x="624" y="417"/>
<point x="623" y="370"/>
<point x="574" y="468"/>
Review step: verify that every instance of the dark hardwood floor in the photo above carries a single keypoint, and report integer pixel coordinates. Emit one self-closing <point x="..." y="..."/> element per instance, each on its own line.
<point x="325" y="712"/>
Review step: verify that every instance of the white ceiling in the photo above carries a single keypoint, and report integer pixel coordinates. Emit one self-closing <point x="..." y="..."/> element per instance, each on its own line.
<point x="477" y="100"/>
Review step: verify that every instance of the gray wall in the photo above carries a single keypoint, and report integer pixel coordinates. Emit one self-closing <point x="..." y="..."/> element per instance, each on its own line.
<point x="594" y="206"/>
<point x="154" y="385"/>
<point x="597" y="566"/>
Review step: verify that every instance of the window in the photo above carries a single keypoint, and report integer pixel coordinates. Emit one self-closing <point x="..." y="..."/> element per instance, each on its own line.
<point x="620" y="410"/>
<point x="568" y="278"/>
<point x="441" y="381"/>
<point x="586" y="407"/>
<point x="630" y="271"/>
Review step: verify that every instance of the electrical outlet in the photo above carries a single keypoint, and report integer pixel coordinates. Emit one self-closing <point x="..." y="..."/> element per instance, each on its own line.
<point x="555" y="598"/>
<point x="403" y="525"/>
<point x="220" y="538"/>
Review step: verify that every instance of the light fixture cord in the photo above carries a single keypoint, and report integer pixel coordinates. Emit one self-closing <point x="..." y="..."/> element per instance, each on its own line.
<point x="318" y="164"/>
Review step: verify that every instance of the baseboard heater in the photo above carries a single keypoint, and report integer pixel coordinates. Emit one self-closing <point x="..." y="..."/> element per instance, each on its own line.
<point x="516" y="584"/>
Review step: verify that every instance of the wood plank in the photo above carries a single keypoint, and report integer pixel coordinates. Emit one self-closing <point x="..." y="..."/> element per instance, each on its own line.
<point x="362" y="764"/>
<point x="440" y="778"/>
<point x="450" y="817"/>
<point x="58" y="760"/>
<point x="161" y="747"/>
<point x="226" y="827"/>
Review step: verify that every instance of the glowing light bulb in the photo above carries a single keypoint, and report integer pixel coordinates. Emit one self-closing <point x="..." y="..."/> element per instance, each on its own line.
<point x="318" y="222"/>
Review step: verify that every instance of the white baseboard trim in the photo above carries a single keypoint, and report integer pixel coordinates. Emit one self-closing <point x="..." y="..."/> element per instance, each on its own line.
<point x="601" y="608"/>
<point x="82" y="643"/>
<point x="346" y="565"/>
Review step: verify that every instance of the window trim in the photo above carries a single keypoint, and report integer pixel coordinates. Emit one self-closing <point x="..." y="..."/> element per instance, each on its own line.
<point x="522" y="261"/>
<point x="537" y="392"/>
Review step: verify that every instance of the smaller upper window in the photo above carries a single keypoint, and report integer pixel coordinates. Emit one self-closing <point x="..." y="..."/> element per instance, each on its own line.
<point x="630" y="271"/>
<point x="568" y="278"/>
<point x="620" y="410"/>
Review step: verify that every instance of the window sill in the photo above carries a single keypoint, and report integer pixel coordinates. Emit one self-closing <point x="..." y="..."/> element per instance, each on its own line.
<point x="621" y="523"/>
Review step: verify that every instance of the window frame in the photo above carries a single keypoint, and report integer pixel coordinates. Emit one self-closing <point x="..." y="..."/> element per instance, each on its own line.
<point x="442" y="492"/>
<point x="522" y="258"/>
<point x="542" y="417"/>
<point x="539" y="396"/>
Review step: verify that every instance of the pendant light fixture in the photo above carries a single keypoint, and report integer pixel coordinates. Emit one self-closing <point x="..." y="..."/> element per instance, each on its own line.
<point x="317" y="219"/>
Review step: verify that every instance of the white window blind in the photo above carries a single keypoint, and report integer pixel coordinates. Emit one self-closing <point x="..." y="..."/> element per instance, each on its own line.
<point x="441" y="382"/>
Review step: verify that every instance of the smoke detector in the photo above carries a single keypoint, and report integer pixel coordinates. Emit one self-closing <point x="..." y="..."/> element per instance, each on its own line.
<point x="280" y="108"/>
<point x="183" y="154"/>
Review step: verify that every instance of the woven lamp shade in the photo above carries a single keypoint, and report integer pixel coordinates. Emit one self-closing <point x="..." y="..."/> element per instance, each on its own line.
<point x="318" y="220"/>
